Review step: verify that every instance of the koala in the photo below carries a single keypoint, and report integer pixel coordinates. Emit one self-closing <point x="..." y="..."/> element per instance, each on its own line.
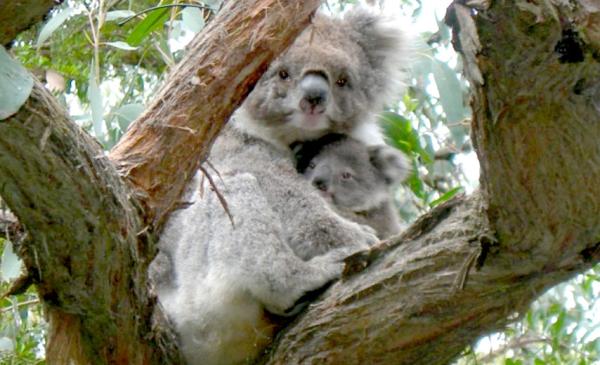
<point x="284" y="241"/>
<point x="355" y="179"/>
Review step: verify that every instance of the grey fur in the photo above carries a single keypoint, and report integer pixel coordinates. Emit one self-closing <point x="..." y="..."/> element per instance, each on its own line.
<point x="286" y="240"/>
<point x="356" y="181"/>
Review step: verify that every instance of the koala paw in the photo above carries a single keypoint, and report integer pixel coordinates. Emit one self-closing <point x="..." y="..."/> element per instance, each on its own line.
<point x="370" y="235"/>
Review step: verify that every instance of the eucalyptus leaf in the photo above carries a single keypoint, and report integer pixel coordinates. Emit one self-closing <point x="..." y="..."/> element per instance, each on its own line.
<point x="400" y="134"/>
<point x="15" y="85"/>
<point x="53" y="24"/>
<point x="192" y="18"/>
<point x="213" y="4"/>
<point x="6" y="345"/>
<point x="95" y="99"/>
<point x="447" y="196"/>
<point x="10" y="266"/>
<point x="127" y="114"/>
<point x="118" y="14"/>
<point x="152" y="21"/>
<point x="450" y="90"/>
<point x="121" y="45"/>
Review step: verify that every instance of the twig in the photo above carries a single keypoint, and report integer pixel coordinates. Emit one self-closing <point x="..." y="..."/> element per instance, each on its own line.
<point x="164" y="7"/>
<point x="219" y="195"/>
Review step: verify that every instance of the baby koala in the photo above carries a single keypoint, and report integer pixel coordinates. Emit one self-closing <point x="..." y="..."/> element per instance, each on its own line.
<point x="355" y="179"/>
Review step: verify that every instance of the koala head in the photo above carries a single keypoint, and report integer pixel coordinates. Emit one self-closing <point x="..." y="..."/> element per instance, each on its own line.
<point x="349" y="174"/>
<point x="337" y="73"/>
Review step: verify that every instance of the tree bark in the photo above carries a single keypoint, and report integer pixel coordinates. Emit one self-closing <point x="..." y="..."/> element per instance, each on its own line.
<point x="163" y="149"/>
<point x="17" y="16"/>
<point x="467" y="268"/>
<point x="89" y="246"/>
<point x="475" y="264"/>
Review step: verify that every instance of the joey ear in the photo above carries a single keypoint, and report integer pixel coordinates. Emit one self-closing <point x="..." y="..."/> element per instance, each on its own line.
<point x="386" y="47"/>
<point x="393" y="165"/>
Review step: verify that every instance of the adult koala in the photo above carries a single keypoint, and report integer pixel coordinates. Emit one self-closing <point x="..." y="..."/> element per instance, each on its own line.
<point x="285" y="241"/>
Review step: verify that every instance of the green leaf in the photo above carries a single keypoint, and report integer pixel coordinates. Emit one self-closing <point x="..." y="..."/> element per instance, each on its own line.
<point x="6" y="344"/>
<point x="449" y="194"/>
<point x="57" y="20"/>
<point x="121" y="45"/>
<point x="152" y="21"/>
<point x="10" y="267"/>
<point x="127" y="114"/>
<point x="192" y="19"/>
<point x="401" y="135"/>
<point x="450" y="90"/>
<point x="118" y="14"/>
<point x="213" y="4"/>
<point x="415" y="184"/>
<point x="95" y="99"/>
<point x="15" y="85"/>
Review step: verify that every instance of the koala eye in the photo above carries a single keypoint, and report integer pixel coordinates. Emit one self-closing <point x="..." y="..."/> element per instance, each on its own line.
<point x="311" y="165"/>
<point x="346" y="175"/>
<point x="284" y="75"/>
<point x="341" y="82"/>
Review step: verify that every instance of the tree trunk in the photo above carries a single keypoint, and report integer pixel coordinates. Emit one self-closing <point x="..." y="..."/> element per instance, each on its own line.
<point x="89" y="246"/>
<point x="463" y="270"/>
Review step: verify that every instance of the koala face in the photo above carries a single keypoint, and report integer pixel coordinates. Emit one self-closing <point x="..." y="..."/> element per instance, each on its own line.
<point x="350" y="175"/>
<point x="336" y="74"/>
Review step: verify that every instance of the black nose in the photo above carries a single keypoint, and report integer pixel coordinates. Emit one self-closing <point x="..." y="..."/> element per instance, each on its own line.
<point x="315" y="90"/>
<point x="320" y="184"/>
<point x="315" y="97"/>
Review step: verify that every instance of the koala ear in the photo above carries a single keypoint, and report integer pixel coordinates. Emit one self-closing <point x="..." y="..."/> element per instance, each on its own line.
<point x="393" y="165"/>
<point x="386" y="47"/>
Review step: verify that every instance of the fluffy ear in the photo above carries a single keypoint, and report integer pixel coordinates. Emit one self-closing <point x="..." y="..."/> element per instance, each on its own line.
<point x="393" y="165"/>
<point x="386" y="47"/>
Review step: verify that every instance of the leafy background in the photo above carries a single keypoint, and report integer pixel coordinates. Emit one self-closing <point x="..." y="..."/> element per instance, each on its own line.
<point x="103" y="63"/>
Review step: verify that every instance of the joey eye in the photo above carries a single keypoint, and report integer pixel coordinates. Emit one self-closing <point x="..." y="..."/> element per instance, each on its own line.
<point x="346" y="175"/>
<point x="341" y="82"/>
<point x="284" y="75"/>
<point x="311" y="165"/>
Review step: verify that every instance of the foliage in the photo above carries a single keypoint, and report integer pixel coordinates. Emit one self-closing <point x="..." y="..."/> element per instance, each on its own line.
<point x="104" y="63"/>
<point x="560" y="328"/>
<point x="22" y="326"/>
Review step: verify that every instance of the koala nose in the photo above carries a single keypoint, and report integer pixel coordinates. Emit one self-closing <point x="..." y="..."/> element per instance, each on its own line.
<point x="315" y="97"/>
<point x="320" y="183"/>
<point x="315" y="91"/>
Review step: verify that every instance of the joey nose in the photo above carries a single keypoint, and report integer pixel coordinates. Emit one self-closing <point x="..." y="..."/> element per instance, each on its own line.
<point x="320" y="183"/>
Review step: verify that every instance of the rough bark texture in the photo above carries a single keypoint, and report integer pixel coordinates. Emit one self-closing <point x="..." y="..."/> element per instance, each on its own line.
<point x="82" y="235"/>
<point x="162" y="149"/>
<point x="476" y="263"/>
<point x="88" y="246"/>
<point x="17" y="16"/>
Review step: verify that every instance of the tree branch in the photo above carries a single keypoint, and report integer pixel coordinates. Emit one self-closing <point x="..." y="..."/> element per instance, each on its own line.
<point x="89" y="248"/>
<point x="163" y="149"/>
<point x="17" y="16"/>
<point x="475" y="264"/>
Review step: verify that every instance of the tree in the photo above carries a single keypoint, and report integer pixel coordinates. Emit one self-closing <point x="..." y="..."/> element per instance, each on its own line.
<point x="466" y="268"/>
